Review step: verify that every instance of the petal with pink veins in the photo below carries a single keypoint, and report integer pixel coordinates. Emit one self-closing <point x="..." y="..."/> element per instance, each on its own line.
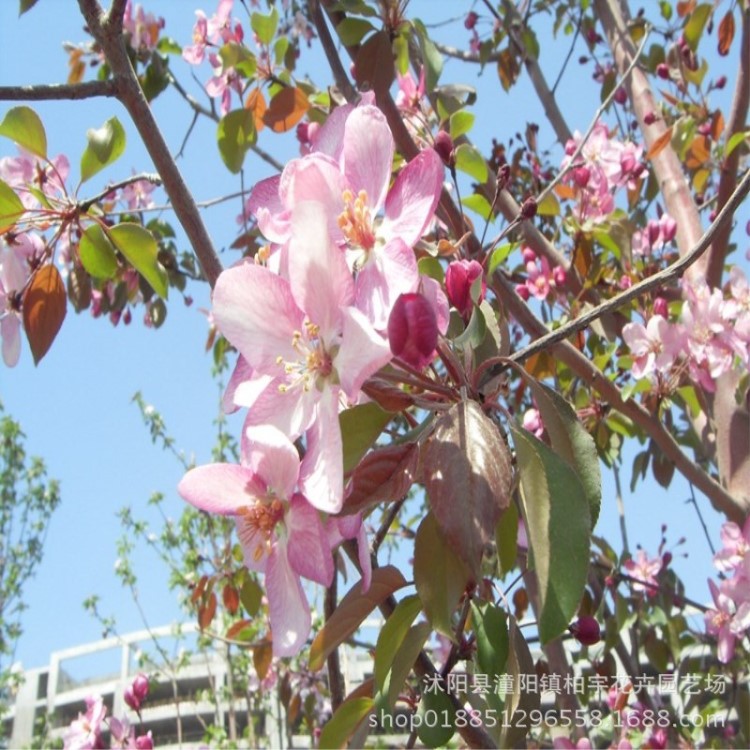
<point x="412" y="200"/>
<point x="287" y="604"/>
<point x="363" y="352"/>
<point x="254" y="309"/>
<point x="308" y="549"/>
<point x="220" y="488"/>
<point x="271" y="456"/>
<point x="368" y="154"/>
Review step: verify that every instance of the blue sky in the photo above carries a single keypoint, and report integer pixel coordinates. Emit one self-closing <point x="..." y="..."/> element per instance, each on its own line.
<point x="76" y="407"/>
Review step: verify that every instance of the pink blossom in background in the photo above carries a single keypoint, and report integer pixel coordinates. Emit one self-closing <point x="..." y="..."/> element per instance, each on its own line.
<point x="143" y="27"/>
<point x="532" y="421"/>
<point x="653" y="346"/>
<point x="726" y="621"/>
<point x="735" y="545"/>
<point x="459" y="278"/>
<point x="85" y="732"/>
<point x="645" y="571"/>
<point x="410" y="93"/>
<point x="13" y="276"/>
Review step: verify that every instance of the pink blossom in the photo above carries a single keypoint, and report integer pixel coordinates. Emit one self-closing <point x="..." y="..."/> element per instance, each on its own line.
<point x="306" y="345"/>
<point x="542" y="279"/>
<point x="349" y="173"/>
<point x="26" y="170"/>
<point x="410" y="93"/>
<point x="143" y="28"/>
<point x="644" y="571"/>
<point x="413" y="330"/>
<point x="280" y="532"/>
<point x="195" y="53"/>
<point x="532" y="421"/>
<point x="653" y="347"/>
<point x="735" y="546"/>
<point x="726" y="622"/>
<point x="13" y="276"/>
<point x="137" y="194"/>
<point x="85" y="732"/>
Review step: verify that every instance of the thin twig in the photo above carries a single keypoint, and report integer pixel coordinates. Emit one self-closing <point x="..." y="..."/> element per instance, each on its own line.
<point x="73" y="91"/>
<point x="154" y="179"/>
<point x="334" y="61"/>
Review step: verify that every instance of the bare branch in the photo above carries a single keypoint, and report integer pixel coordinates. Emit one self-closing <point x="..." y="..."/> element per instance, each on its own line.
<point x="675" y="190"/>
<point x="154" y="179"/>
<point x="334" y="61"/>
<point x="116" y="14"/>
<point x="72" y="91"/>
<point x="727" y="181"/>
<point x="131" y="95"/>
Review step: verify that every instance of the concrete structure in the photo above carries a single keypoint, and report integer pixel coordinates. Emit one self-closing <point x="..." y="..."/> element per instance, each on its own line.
<point x="57" y="692"/>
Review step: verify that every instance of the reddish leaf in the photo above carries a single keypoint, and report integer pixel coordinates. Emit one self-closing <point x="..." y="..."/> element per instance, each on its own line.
<point x="685" y="6"/>
<point x="699" y="152"/>
<point x="257" y="103"/>
<point x="387" y="396"/>
<point x="44" y="308"/>
<point x="207" y="611"/>
<point x="660" y="144"/>
<point x="199" y="589"/>
<point x="374" y="69"/>
<point x="726" y="33"/>
<point x="237" y="628"/>
<point x="717" y="125"/>
<point x="383" y="475"/>
<point x="262" y="658"/>
<point x="467" y="468"/>
<point x="352" y="611"/>
<point x="231" y="598"/>
<point x="287" y="108"/>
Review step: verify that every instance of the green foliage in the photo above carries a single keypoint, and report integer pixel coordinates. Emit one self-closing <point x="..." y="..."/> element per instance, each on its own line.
<point x="105" y="146"/>
<point x="28" y="500"/>
<point x="236" y="134"/>
<point x="138" y="245"/>
<point x="23" y="126"/>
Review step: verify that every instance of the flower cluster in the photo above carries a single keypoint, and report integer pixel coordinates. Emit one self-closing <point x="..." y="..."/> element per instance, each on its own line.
<point x="730" y="617"/>
<point x="713" y="332"/>
<point x="542" y="280"/>
<point x="86" y="732"/>
<point x="142" y="28"/>
<point x="605" y="165"/>
<point x="311" y="317"/>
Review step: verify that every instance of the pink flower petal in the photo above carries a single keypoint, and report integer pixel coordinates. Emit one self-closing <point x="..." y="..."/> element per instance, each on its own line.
<point x="308" y="549"/>
<point x="272" y="457"/>
<point x="220" y="488"/>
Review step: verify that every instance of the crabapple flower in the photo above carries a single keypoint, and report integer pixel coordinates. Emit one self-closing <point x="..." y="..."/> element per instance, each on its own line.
<point x="410" y="93"/>
<point x="136" y="693"/>
<point x="349" y="173"/>
<point x="85" y="732"/>
<point x="306" y="344"/>
<point x="653" y="347"/>
<point x="726" y="621"/>
<point x="13" y="277"/>
<point x="735" y="546"/>
<point x="280" y="532"/>
<point x="143" y="28"/>
<point x="645" y="571"/>
<point x="532" y="421"/>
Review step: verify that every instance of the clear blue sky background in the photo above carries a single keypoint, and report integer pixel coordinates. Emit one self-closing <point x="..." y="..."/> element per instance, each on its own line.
<point x="76" y="409"/>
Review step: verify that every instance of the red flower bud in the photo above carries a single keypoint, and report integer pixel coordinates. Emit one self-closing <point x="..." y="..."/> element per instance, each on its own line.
<point x="445" y="148"/>
<point x="720" y="82"/>
<point x="586" y="630"/>
<point x="471" y="20"/>
<point x="523" y="292"/>
<point x="621" y="96"/>
<point x="503" y="177"/>
<point x="660" y="307"/>
<point x="412" y="330"/>
<point x="528" y="209"/>
<point x="459" y="278"/>
<point x="650" y="118"/>
<point x="662" y="70"/>
<point x="144" y="742"/>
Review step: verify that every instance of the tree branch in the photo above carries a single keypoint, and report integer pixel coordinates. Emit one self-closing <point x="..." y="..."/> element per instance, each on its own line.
<point x="72" y="91"/>
<point x="131" y="95"/>
<point x="343" y="83"/>
<point x="674" y="188"/>
<point x="727" y="181"/>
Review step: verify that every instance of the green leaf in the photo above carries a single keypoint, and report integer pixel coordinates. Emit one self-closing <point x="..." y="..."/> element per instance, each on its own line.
<point x="105" y="146"/>
<point x="470" y="161"/>
<point x="695" y="25"/>
<point x="11" y="207"/>
<point x="265" y="26"/>
<point x="344" y="722"/>
<point x="435" y="733"/>
<point x="239" y="57"/>
<point x="26" y="5"/>
<point x="432" y="267"/>
<point x="461" y="123"/>
<point x="440" y="576"/>
<point x="499" y="255"/>
<point x="168" y="46"/>
<point x="139" y="247"/>
<point x="479" y="205"/>
<point x="23" y="126"/>
<point x="97" y="253"/>
<point x="506" y="539"/>
<point x="235" y="135"/>
<point x="251" y="595"/>
<point x="558" y="525"/>
<point x="491" y="630"/>
<point x="735" y="140"/>
<point x="404" y="659"/>
<point x="360" y="427"/>
<point x="548" y="206"/>
<point x="530" y="43"/>
<point x="571" y="442"/>
<point x="352" y="31"/>
<point x="432" y="59"/>
<point x="392" y="635"/>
